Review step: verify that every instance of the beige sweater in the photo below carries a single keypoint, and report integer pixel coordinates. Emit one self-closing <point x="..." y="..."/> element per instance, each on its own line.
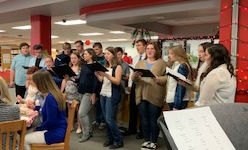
<point x="146" y="88"/>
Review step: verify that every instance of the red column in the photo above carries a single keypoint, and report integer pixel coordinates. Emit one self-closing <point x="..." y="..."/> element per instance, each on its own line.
<point x="242" y="43"/>
<point x="242" y="55"/>
<point x="41" y="32"/>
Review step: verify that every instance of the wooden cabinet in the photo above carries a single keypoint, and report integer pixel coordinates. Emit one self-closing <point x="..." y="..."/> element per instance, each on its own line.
<point x="7" y="54"/>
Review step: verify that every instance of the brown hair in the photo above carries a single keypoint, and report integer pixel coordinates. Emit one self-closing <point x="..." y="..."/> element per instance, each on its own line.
<point x="38" y="46"/>
<point x="66" y="45"/>
<point x="32" y="70"/>
<point x="183" y="59"/>
<point x="49" y="56"/>
<point x="114" y="61"/>
<point x="157" y="50"/>
<point x="45" y="84"/>
<point x="23" y="44"/>
<point x="79" y="57"/>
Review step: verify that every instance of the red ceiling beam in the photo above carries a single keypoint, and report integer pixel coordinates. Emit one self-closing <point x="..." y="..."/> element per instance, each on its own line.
<point x="124" y="4"/>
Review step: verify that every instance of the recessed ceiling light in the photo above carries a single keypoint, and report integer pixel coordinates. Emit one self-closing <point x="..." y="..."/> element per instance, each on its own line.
<point x="62" y="42"/>
<point x="115" y="40"/>
<point x="54" y="36"/>
<point x="117" y="32"/>
<point x="2" y="30"/>
<point x="70" y="22"/>
<point x="26" y="27"/>
<point x="90" y="34"/>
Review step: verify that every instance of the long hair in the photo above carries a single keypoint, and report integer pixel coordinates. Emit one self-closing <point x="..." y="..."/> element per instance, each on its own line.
<point x="204" y="45"/>
<point x="92" y="53"/>
<point x="80" y="61"/>
<point x="45" y="84"/>
<point x="114" y="60"/>
<point x="4" y="93"/>
<point x="183" y="59"/>
<point x="219" y="55"/>
<point x="157" y="50"/>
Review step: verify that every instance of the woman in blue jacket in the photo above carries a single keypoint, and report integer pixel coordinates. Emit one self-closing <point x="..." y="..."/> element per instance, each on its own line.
<point x="53" y="128"/>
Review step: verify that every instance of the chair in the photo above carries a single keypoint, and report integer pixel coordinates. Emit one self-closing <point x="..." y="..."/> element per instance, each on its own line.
<point x="63" y="145"/>
<point x="10" y="129"/>
<point x="232" y="117"/>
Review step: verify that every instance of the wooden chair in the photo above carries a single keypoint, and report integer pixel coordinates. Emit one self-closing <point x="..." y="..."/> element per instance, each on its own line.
<point x="63" y="145"/>
<point x="10" y="129"/>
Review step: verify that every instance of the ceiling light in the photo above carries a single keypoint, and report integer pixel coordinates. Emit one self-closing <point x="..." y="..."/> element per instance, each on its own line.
<point x="26" y="27"/>
<point x="117" y="32"/>
<point x="54" y="36"/>
<point x="115" y="40"/>
<point x="70" y="22"/>
<point x="91" y="34"/>
<point x="62" y="42"/>
<point x="2" y="30"/>
<point x="154" y="37"/>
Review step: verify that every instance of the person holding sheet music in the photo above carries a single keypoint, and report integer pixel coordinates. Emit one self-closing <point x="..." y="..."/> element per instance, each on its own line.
<point x="70" y="87"/>
<point x="88" y="87"/>
<point x="110" y="96"/>
<point x="39" y="59"/>
<point x="178" y="96"/>
<point x="63" y="58"/>
<point x="150" y="103"/>
<point x="218" y="81"/>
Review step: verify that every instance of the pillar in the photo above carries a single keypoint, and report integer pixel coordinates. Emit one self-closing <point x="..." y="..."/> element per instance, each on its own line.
<point x="233" y="32"/>
<point x="41" y="32"/>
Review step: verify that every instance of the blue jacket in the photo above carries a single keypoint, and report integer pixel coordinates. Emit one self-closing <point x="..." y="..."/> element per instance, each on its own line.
<point x="54" y="121"/>
<point x="62" y="59"/>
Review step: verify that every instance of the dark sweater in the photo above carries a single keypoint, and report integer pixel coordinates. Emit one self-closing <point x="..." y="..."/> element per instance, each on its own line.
<point x="54" y="121"/>
<point x="87" y="82"/>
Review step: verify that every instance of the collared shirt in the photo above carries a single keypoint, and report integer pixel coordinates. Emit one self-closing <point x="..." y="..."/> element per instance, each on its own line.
<point x="136" y="59"/>
<point x="33" y="61"/>
<point x="20" y="73"/>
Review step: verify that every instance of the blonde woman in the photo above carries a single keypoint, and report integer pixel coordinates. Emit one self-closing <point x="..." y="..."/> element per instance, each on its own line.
<point x="53" y="128"/>
<point x="8" y="111"/>
<point x="177" y="95"/>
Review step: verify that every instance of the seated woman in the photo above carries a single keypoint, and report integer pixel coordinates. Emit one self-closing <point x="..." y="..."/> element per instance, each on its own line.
<point x="33" y="98"/>
<point x="8" y="111"/>
<point x="53" y="128"/>
<point x="218" y="83"/>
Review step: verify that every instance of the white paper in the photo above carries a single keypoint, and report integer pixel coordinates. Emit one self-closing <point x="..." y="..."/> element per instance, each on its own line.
<point x="196" y="129"/>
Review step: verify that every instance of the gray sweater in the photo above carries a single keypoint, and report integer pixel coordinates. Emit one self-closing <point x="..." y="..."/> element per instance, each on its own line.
<point x="8" y="113"/>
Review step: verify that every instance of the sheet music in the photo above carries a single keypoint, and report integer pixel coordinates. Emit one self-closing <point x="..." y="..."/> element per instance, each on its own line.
<point x="196" y="129"/>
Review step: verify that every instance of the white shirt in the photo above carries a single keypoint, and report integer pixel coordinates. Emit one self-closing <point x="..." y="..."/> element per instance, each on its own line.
<point x="106" y="86"/>
<point x="217" y="87"/>
<point x="136" y="59"/>
<point x="200" y="71"/>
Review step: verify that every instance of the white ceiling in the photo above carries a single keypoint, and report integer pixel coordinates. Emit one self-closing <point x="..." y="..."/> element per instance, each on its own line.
<point x="163" y="20"/>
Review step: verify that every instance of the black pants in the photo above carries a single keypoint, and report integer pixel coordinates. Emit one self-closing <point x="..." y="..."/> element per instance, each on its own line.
<point x="20" y="90"/>
<point x="133" y="111"/>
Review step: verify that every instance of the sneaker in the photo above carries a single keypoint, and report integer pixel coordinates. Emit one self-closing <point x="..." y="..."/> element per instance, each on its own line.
<point x="85" y="137"/>
<point x="79" y="131"/>
<point x="152" y="146"/>
<point x="102" y="126"/>
<point x="115" y="145"/>
<point x="123" y="129"/>
<point x="94" y="123"/>
<point x="145" y="145"/>
<point x="107" y="143"/>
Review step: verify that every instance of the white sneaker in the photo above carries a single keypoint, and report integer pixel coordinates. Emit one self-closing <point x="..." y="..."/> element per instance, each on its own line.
<point x="102" y="125"/>
<point x="152" y="146"/>
<point x="145" y="145"/>
<point x="94" y="123"/>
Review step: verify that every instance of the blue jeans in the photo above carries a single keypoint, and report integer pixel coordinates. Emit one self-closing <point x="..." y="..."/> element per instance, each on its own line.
<point x="98" y="112"/>
<point x="109" y="113"/>
<point x="149" y="115"/>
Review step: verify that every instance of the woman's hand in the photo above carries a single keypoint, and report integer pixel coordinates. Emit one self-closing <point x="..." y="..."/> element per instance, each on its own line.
<point x="19" y="99"/>
<point x="155" y="79"/>
<point x="137" y="74"/>
<point x="66" y="77"/>
<point x="93" y="98"/>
